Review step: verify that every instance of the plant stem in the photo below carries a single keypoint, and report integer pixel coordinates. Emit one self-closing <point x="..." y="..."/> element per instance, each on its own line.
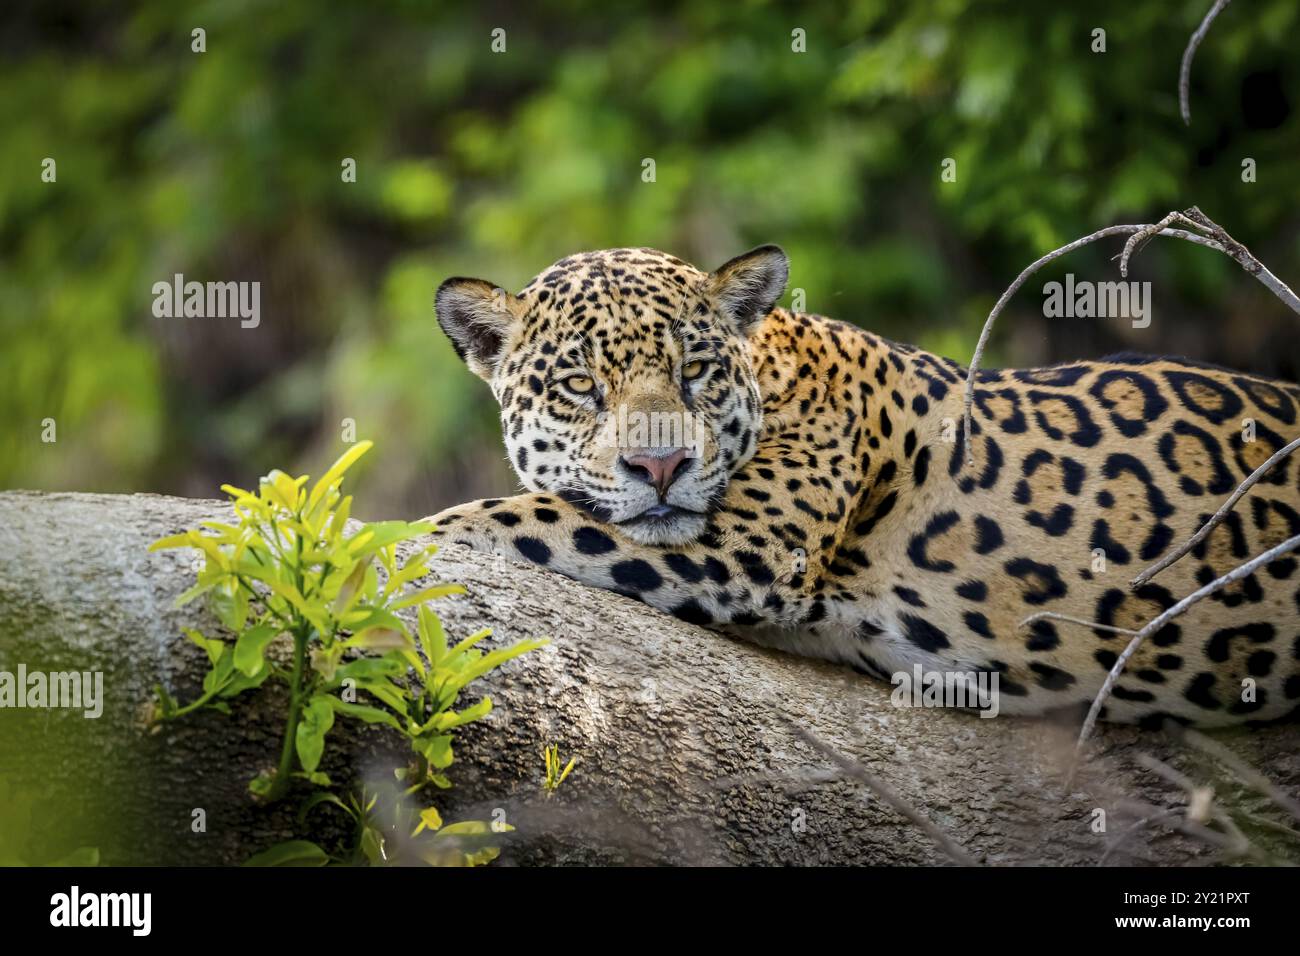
<point x="281" y="783"/>
<point x="195" y="705"/>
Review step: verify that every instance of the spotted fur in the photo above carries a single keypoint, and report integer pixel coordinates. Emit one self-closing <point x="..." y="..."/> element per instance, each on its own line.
<point x="829" y="511"/>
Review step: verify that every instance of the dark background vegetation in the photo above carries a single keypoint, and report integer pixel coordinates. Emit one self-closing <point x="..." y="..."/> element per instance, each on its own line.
<point x="225" y="165"/>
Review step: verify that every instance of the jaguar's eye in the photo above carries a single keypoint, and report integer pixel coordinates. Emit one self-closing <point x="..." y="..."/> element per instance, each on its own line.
<point x="579" y="384"/>
<point x="693" y="370"/>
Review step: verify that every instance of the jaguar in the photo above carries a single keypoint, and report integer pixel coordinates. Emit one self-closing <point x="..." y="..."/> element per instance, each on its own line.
<point x="823" y="499"/>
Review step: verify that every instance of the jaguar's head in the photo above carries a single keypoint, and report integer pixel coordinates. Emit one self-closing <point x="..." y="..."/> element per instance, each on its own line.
<point x="624" y="378"/>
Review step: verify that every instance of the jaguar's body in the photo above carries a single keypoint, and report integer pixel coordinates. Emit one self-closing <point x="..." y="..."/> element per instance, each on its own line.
<point x="829" y="510"/>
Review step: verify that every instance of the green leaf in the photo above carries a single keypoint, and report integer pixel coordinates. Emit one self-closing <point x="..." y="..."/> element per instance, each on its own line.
<point x="380" y="639"/>
<point x="290" y="853"/>
<point x="316" y="721"/>
<point x="427" y="594"/>
<point x="416" y="566"/>
<point x="466" y="843"/>
<point x="371" y="715"/>
<point x="351" y="588"/>
<point x="490" y="660"/>
<point x="260" y="786"/>
<point x="240" y="683"/>
<point x="433" y="639"/>
<point x="430" y="819"/>
<point x="250" y="649"/>
<point x="452" y="719"/>
<point x="339" y="520"/>
<point x="326" y="663"/>
<point x="185" y="597"/>
<point x="381" y="534"/>
<point x="469" y="642"/>
<point x="230" y="603"/>
<point x="280" y="489"/>
<point x="364" y="619"/>
<point x="316" y="799"/>
<point x="223" y="671"/>
<point x="365" y="668"/>
<point x="385" y="691"/>
<point x="372" y="844"/>
<point x="315" y="615"/>
<point x="181" y="540"/>
<point x="482" y="857"/>
<point x="436" y="749"/>
<point x="473" y="828"/>
<point x="336" y="471"/>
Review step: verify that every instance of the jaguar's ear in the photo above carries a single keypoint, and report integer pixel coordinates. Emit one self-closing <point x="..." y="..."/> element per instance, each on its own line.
<point x="478" y="318"/>
<point x="746" y="288"/>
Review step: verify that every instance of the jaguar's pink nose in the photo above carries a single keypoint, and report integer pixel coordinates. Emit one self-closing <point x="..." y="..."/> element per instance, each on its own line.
<point x="659" y="467"/>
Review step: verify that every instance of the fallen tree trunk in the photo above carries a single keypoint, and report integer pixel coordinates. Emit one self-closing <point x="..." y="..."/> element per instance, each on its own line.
<point x="686" y="739"/>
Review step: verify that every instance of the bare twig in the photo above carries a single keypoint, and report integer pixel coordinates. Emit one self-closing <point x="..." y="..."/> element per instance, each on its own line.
<point x="1239" y="253"/>
<point x="1243" y="770"/>
<point x="1145" y="821"/>
<point x="1224" y="510"/>
<point x="1015" y="287"/>
<point x="1184" y="825"/>
<point x="1280" y="829"/>
<point x="1140" y="239"/>
<point x="1185" y="70"/>
<point x="887" y="793"/>
<point x="1054" y="616"/>
<point x="1210" y="234"/>
<point x="1166" y="772"/>
<point x="1202" y="807"/>
<point x="1156" y="623"/>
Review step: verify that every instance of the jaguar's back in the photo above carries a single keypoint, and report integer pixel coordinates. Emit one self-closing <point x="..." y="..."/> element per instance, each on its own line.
<point x="1085" y="474"/>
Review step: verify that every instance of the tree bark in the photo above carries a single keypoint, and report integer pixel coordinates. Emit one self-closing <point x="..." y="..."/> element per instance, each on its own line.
<point x="685" y="739"/>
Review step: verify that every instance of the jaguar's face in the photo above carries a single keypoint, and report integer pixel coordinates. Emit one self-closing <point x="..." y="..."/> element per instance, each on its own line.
<point x="624" y="379"/>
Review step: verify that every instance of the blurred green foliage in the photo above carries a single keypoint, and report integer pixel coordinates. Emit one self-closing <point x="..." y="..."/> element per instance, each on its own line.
<point x="225" y="165"/>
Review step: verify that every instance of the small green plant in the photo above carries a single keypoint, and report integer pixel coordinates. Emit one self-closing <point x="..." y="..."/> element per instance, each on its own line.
<point x="554" y="775"/>
<point x="388" y="830"/>
<point x="290" y="567"/>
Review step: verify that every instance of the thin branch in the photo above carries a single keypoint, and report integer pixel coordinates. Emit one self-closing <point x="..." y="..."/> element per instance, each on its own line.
<point x="1140" y="239"/>
<point x="1185" y="70"/>
<point x="887" y="793"/>
<point x="1239" y="253"/>
<point x="1184" y="825"/>
<point x="1243" y="770"/>
<point x="1020" y="280"/>
<point x="1280" y="829"/>
<point x="1145" y="821"/>
<point x="1054" y="616"/>
<point x="1213" y="236"/>
<point x="1202" y="808"/>
<point x="1156" y="623"/>
<point x="1224" y="510"/>
<point x="1167" y="773"/>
